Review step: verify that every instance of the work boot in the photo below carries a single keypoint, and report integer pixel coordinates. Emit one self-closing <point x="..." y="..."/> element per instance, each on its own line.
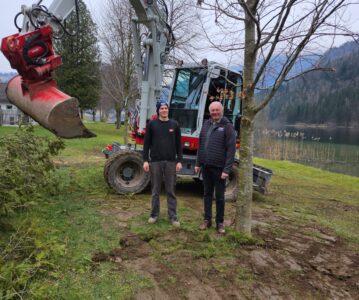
<point x="220" y="228"/>
<point x="205" y="225"/>
<point x="152" y="220"/>
<point x="175" y="223"/>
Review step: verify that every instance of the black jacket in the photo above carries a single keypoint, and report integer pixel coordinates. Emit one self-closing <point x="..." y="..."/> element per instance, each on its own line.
<point x="217" y="145"/>
<point x="162" y="141"/>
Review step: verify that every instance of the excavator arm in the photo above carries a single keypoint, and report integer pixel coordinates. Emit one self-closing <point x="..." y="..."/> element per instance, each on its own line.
<point x="150" y="64"/>
<point x="31" y="53"/>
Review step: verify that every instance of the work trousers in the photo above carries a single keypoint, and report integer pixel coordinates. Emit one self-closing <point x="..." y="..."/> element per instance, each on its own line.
<point x="212" y="182"/>
<point x="163" y="171"/>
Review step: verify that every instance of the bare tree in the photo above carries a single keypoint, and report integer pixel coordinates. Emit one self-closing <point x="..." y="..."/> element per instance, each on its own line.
<point x="105" y="104"/>
<point x="118" y="72"/>
<point x="119" y="80"/>
<point x="264" y="30"/>
<point x="185" y="25"/>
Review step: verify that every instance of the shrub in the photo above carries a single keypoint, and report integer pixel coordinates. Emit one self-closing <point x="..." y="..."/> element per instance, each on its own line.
<point x="25" y="166"/>
<point x="28" y="265"/>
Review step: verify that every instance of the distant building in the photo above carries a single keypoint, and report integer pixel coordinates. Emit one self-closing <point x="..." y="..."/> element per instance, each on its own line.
<point x="9" y="113"/>
<point x="110" y="116"/>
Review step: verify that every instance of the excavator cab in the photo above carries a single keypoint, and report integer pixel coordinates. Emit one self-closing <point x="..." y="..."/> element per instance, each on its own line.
<point x="193" y="90"/>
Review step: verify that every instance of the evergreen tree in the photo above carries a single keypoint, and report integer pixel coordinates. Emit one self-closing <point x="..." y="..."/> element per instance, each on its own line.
<point x="322" y="98"/>
<point x="79" y="76"/>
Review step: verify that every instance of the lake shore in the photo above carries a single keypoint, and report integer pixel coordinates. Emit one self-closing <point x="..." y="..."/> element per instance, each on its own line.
<point x="322" y="126"/>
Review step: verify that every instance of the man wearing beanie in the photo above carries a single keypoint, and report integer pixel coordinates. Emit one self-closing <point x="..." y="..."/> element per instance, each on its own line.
<point x="162" y="155"/>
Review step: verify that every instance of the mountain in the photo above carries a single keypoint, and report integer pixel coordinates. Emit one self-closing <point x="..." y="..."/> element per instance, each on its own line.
<point x="322" y="97"/>
<point x="275" y="66"/>
<point x="336" y="53"/>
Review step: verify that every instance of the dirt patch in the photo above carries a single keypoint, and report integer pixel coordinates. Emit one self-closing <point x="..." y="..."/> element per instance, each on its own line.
<point x="294" y="261"/>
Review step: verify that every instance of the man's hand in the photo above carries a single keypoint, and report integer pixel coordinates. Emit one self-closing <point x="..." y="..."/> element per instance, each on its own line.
<point x="224" y="175"/>
<point x="178" y="167"/>
<point x="197" y="169"/>
<point x="146" y="166"/>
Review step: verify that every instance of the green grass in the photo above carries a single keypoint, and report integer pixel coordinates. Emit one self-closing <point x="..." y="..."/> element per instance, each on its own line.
<point x="80" y="148"/>
<point x="307" y="193"/>
<point x="199" y="244"/>
<point x="106" y="134"/>
<point x="74" y="219"/>
<point x="74" y="223"/>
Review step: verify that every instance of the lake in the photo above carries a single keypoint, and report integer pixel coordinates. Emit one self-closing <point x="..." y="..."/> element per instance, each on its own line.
<point x="334" y="149"/>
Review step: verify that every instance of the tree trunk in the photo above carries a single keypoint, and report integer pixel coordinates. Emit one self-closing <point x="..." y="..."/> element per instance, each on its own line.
<point x="125" y="134"/>
<point x="243" y="220"/>
<point x="125" y="108"/>
<point x="118" y="118"/>
<point x="245" y="183"/>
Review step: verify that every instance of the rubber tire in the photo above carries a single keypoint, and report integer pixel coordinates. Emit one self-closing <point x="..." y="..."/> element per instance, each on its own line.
<point x="231" y="185"/>
<point x="115" y="164"/>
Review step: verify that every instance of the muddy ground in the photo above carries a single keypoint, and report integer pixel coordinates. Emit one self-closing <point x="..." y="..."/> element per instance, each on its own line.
<point x="293" y="260"/>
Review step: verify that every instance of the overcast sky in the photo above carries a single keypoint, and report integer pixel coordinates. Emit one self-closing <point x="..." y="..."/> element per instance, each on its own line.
<point x="11" y="7"/>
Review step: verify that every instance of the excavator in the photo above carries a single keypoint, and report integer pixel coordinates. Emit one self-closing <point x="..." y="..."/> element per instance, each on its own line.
<point x="193" y="88"/>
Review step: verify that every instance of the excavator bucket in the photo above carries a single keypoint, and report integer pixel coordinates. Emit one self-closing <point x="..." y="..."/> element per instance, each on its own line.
<point x="35" y="91"/>
<point x="48" y="106"/>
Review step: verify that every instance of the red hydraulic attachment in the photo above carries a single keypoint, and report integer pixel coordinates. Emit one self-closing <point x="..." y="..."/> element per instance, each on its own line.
<point x="34" y="90"/>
